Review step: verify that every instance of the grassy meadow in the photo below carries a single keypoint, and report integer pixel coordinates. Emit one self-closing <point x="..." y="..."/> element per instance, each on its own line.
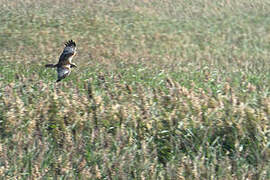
<point x="171" y="89"/>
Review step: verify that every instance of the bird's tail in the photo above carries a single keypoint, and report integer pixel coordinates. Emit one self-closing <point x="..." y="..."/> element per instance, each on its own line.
<point x="50" y="65"/>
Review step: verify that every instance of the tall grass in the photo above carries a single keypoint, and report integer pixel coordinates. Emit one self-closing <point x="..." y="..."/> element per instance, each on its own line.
<point x="164" y="90"/>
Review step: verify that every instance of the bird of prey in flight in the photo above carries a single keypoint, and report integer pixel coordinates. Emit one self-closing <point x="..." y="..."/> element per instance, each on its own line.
<point x="64" y="64"/>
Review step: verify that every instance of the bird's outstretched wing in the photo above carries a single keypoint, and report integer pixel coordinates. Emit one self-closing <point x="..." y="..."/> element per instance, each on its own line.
<point x="62" y="72"/>
<point x="68" y="52"/>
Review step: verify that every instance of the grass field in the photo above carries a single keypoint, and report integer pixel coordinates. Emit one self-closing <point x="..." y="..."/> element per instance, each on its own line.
<point x="171" y="89"/>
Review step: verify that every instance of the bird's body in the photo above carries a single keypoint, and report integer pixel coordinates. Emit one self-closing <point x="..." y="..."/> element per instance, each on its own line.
<point x="65" y="64"/>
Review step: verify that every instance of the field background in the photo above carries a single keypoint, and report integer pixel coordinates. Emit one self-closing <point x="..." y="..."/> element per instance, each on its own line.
<point x="171" y="89"/>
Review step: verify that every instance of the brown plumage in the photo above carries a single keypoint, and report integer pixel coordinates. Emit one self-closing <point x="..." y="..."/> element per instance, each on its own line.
<point x="64" y="64"/>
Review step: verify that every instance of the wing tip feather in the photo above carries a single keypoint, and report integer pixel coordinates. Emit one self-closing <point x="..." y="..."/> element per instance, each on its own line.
<point x="70" y="43"/>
